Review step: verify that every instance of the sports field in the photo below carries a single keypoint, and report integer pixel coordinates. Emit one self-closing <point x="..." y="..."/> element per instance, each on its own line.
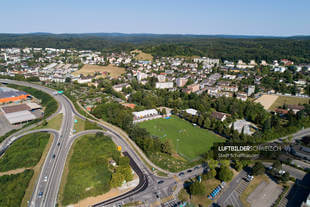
<point x="188" y="141"/>
<point x="112" y="70"/>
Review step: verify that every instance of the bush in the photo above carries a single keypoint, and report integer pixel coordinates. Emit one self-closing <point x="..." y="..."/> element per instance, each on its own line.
<point x="13" y="187"/>
<point x="197" y="188"/>
<point x="224" y="174"/>
<point x="258" y="169"/>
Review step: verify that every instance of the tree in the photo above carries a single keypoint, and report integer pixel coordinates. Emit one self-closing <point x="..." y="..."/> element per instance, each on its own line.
<point x="117" y="179"/>
<point x="210" y="174"/>
<point x="258" y="168"/>
<point x="166" y="147"/>
<point x="277" y="165"/>
<point x="197" y="188"/>
<point x="44" y="123"/>
<point x="68" y="80"/>
<point x="225" y="174"/>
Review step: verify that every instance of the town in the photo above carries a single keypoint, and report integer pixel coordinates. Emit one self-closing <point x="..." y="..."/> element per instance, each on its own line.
<point x="174" y="109"/>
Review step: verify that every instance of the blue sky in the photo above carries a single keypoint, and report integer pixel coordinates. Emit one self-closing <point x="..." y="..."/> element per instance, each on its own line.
<point x="246" y="17"/>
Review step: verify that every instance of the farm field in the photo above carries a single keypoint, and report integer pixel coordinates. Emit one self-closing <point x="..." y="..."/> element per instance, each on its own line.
<point x="142" y="56"/>
<point x="189" y="141"/>
<point x="267" y="100"/>
<point x="114" y="71"/>
<point x="288" y="100"/>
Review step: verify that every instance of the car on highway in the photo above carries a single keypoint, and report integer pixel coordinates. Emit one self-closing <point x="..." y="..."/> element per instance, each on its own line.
<point x="160" y="182"/>
<point x="189" y="171"/>
<point x="45" y="179"/>
<point x="58" y="143"/>
<point x="181" y="174"/>
<point x="40" y="194"/>
<point x="53" y="156"/>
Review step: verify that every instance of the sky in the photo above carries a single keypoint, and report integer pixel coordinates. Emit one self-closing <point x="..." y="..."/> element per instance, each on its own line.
<point x="230" y="17"/>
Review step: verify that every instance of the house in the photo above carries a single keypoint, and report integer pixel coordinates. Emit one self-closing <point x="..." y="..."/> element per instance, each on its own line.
<point x="119" y="87"/>
<point x="219" y="116"/>
<point x="139" y="116"/>
<point x="295" y="108"/>
<point x="164" y="85"/>
<point x="181" y="82"/>
<point x="192" y="88"/>
<point x="242" y="96"/>
<point x="281" y="112"/>
<point x="192" y="112"/>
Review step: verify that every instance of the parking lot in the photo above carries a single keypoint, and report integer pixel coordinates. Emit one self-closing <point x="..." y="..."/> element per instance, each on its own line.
<point x="234" y="199"/>
<point x="5" y="126"/>
<point x="265" y="194"/>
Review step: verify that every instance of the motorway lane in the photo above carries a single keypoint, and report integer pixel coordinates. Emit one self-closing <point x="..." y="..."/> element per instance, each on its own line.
<point x="52" y="166"/>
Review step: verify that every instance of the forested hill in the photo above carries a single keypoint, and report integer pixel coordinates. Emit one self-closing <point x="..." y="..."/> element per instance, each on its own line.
<point x="230" y="47"/>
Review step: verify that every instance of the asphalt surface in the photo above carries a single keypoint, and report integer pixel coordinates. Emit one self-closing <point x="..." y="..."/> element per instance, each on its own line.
<point x="54" y="164"/>
<point x="148" y="190"/>
<point x="231" y="195"/>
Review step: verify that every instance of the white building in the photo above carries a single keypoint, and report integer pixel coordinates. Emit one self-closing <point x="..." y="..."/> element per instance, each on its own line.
<point x="251" y="90"/>
<point x="139" y="116"/>
<point x="163" y="85"/>
<point x="192" y="112"/>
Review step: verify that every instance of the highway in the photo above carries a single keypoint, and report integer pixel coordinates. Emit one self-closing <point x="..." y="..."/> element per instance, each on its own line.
<point x="53" y="166"/>
<point x="148" y="189"/>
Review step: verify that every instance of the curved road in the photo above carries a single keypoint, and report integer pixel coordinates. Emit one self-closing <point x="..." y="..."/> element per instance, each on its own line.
<point x="54" y="164"/>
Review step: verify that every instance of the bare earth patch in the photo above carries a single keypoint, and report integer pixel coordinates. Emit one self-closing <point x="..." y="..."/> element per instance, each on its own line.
<point x="266" y="100"/>
<point x="16" y="171"/>
<point x="112" y="70"/>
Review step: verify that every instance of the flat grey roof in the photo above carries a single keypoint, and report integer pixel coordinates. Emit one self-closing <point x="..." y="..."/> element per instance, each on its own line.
<point x="20" y="116"/>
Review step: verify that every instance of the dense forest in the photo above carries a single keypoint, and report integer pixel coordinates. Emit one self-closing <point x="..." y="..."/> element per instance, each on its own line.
<point x="221" y="46"/>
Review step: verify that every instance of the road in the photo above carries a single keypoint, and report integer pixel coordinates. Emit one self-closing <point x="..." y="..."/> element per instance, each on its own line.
<point x="148" y="190"/>
<point x="53" y="166"/>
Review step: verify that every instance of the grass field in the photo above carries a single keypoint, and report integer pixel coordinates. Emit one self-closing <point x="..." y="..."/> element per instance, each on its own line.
<point x="81" y="125"/>
<point x="188" y="141"/>
<point x="12" y="188"/>
<point x="25" y="152"/>
<point x="281" y="100"/>
<point x="114" y="71"/>
<point x="142" y="56"/>
<point x="54" y="123"/>
<point x="89" y="174"/>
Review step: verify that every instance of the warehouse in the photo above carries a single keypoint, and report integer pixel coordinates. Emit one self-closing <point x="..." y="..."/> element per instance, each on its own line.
<point x="19" y="117"/>
<point x="16" y="114"/>
<point x="8" y="95"/>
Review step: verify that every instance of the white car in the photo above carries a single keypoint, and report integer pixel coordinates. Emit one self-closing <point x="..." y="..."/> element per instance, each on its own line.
<point x="45" y="179"/>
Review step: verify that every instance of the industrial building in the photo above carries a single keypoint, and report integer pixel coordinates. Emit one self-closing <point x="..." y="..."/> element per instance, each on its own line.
<point x="17" y="114"/>
<point x="8" y="95"/>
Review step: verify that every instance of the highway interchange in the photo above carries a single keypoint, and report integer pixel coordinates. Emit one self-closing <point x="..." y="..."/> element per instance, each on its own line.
<point x="148" y="190"/>
<point x="48" y="183"/>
